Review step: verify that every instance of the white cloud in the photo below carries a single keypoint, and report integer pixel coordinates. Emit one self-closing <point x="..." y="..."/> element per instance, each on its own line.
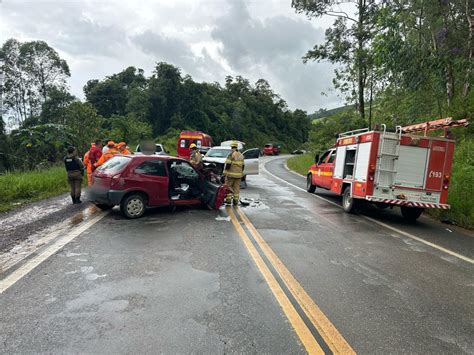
<point x="207" y="39"/>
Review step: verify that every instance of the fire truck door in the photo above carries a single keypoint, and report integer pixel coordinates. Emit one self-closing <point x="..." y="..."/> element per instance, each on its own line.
<point x="325" y="169"/>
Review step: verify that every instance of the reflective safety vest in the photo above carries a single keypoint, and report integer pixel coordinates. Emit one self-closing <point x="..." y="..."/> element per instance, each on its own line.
<point x="234" y="165"/>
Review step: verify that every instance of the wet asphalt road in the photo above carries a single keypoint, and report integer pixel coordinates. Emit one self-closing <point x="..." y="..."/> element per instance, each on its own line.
<point x="183" y="281"/>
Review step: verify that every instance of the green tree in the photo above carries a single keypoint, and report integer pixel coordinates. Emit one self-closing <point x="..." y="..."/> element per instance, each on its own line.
<point x="165" y="95"/>
<point x="421" y="52"/>
<point x="32" y="70"/>
<point x="54" y="108"/>
<point x="85" y="122"/>
<point x="110" y="96"/>
<point x="129" y="129"/>
<point x="347" y="43"/>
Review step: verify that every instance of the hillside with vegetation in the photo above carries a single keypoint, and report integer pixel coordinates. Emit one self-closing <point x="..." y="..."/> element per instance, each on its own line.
<point x="128" y="106"/>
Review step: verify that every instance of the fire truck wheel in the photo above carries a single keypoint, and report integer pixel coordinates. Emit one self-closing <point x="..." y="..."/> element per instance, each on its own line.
<point x="348" y="203"/>
<point x="309" y="184"/>
<point x="411" y="213"/>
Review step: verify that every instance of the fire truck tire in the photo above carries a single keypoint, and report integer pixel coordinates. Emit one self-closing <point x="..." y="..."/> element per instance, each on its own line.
<point x="349" y="204"/>
<point x="309" y="184"/>
<point x="411" y="213"/>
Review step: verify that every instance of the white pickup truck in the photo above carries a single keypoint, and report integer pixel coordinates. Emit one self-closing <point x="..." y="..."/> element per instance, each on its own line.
<point x="219" y="154"/>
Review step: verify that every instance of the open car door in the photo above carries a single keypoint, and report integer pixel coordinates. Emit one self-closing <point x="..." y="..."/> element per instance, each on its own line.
<point x="251" y="161"/>
<point x="214" y="194"/>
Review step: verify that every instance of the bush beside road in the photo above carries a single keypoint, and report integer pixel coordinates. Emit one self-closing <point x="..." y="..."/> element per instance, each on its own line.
<point x="18" y="188"/>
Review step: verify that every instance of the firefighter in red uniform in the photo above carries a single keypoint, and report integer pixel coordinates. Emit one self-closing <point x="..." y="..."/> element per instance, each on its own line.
<point x="91" y="157"/>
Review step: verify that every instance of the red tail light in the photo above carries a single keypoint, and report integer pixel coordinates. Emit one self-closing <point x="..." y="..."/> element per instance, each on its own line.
<point x="446" y="182"/>
<point x="371" y="172"/>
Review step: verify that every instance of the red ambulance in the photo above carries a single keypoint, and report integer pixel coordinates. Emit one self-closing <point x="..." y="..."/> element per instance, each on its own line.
<point x="389" y="168"/>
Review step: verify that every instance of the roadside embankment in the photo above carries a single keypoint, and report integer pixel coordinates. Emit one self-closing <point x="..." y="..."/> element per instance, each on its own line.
<point x="301" y="163"/>
<point x="18" y="188"/>
<point x="461" y="186"/>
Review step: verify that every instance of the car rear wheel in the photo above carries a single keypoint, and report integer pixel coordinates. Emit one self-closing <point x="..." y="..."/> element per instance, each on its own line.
<point x="103" y="206"/>
<point x="348" y="202"/>
<point x="309" y="184"/>
<point x="133" y="206"/>
<point x="411" y="213"/>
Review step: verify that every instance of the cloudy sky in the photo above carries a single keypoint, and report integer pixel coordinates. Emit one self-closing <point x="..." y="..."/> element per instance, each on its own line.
<point x="207" y="39"/>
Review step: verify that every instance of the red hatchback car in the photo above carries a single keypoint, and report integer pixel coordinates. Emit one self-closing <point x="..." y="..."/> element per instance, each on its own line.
<point x="271" y="149"/>
<point x="138" y="181"/>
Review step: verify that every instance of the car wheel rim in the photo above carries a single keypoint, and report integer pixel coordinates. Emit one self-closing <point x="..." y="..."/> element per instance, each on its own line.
<point x="134" y="207"/>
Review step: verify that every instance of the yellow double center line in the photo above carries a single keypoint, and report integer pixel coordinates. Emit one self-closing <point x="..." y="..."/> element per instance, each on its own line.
<point x="334" y="340"/>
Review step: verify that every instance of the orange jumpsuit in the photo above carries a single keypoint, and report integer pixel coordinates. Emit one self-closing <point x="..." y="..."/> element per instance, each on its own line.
<point x="106" y="156"/>
<point x="88" y="165"/>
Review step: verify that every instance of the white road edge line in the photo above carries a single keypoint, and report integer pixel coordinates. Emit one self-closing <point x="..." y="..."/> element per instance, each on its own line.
<point x="405" y="234"/>
<point x="18" y="274"/>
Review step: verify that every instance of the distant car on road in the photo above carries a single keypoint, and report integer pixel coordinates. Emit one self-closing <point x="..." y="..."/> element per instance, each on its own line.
<point x="136" y="182"/>
<point x="271" y="149"/>
<point x="298" y="151"/>
<point x="159" y="149"/>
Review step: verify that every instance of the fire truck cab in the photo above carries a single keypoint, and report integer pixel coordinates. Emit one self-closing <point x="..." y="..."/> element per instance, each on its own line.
<point x="388" y="168"/>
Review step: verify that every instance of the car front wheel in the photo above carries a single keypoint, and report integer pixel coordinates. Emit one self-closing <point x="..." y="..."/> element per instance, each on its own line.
<point x="309" y="184"/>
<point x="133" y="206"/>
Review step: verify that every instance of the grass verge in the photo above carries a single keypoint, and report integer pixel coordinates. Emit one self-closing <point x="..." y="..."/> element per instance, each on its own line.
<point x="19" y="188"/>
<point x="301" y="163"/>
<point x="462" y="183"/>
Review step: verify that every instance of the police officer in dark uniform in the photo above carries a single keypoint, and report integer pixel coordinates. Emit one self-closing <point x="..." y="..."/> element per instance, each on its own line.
<point x="75" y="172"/>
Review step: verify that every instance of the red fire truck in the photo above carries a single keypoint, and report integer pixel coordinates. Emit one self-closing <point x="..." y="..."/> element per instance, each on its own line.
<point x="202" y="140"/>
<point x="389" y="168"/>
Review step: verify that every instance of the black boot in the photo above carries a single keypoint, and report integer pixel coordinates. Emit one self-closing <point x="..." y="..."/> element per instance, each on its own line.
<point x="78" y="200"/>
<point x="73" y="200"/>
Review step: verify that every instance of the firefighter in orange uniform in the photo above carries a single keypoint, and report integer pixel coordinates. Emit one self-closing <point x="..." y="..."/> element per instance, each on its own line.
<point x="88" y="165"/>
<point x="112" y="150"/>
<point x="122" y="148"/>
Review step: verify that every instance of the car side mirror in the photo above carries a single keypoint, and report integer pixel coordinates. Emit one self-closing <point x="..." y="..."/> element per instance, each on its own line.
<point x="316" y="159"/>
